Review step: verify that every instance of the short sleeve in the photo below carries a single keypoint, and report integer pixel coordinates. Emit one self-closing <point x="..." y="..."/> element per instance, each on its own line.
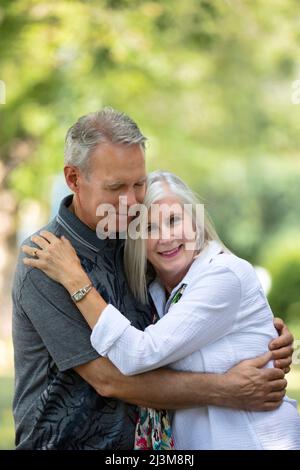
<point x="58" y="322"/>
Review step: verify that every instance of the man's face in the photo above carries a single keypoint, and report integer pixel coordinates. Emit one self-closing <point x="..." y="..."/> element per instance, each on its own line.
<point x="114" y="170"/>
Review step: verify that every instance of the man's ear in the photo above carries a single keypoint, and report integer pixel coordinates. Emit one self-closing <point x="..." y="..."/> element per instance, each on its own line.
<point x="72" y="175"/>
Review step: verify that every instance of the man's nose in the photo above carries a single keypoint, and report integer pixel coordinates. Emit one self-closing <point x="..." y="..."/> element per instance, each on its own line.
<point x="131" y="197"/>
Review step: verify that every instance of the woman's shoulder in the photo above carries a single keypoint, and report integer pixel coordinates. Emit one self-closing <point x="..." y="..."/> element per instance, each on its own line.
<point x="217" y="255"/>
<point x="239" y="267"/>
<point x="217" y="262"/>
<point x="231" y="261"/>
<point x="216" y="259"/>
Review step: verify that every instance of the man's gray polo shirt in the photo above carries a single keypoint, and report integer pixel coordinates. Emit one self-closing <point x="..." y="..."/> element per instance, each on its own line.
<point x="54" y="408"/>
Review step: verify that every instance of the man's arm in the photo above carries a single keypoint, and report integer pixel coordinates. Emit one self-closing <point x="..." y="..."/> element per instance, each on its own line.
<point x="245" y="386"/>
<point x="282" y="347"/>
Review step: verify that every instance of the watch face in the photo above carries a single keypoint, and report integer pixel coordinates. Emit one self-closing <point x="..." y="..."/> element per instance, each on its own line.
<point x="78" y="296"/>
<point x="81" y="293"/>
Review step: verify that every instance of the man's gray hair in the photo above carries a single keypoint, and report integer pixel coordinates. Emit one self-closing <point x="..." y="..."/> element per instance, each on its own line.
<point x="105" y="126"/>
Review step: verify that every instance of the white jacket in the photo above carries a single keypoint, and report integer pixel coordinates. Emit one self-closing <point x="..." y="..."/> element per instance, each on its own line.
<point x="222" y="318"/>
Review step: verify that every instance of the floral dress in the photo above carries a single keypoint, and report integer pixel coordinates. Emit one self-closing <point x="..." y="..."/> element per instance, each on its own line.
<point x="153" y="428"/>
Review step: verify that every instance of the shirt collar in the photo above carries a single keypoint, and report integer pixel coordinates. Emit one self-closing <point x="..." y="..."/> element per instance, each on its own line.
<point x="156" y="289"/>
<point x="79" y="230"/>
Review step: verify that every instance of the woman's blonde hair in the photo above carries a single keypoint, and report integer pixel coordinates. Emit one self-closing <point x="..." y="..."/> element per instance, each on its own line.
<point x="161" y="184"/>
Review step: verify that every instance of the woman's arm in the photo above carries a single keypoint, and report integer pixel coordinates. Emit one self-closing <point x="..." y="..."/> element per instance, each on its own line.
<point x="93" y="304"/>
<point x="58" y="259"/>
<point x="203" y="315"/>
<point x="206" y="312"/>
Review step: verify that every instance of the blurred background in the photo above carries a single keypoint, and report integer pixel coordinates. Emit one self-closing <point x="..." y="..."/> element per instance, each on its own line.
<point x="214" y="85"/>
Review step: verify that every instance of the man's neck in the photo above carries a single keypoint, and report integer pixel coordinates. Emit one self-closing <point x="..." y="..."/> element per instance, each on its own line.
<point x="71" y="208"/>
<point x="75" y="209"/>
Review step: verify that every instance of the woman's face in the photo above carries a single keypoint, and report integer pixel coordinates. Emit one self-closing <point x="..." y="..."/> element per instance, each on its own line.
<point x="171" y="238"/>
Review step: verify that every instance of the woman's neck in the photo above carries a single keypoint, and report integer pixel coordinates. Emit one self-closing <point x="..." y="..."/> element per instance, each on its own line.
<point x="169" y="281"/>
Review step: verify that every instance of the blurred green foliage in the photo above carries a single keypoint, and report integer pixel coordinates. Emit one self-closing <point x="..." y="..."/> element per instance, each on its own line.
<point x="284" y="295"/>
<point x="282" y="258"/>
<point x="6" y="419"/>
<point x="210" y="84"/>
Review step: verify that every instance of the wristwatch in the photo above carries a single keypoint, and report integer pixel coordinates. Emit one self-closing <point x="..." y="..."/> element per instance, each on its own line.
<point x="78" y="295"/>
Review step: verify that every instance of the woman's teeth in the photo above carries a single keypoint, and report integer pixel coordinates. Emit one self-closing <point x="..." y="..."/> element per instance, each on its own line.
<point x="171" y="253"/>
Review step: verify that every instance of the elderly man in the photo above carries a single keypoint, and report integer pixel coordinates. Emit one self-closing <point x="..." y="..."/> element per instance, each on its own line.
<point x="66" y="396"/>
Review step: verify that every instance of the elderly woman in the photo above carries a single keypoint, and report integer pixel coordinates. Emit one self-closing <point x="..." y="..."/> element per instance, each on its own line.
<point x="212" y="308"/>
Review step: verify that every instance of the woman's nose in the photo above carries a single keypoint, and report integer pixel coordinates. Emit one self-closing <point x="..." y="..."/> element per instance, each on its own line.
<point x="166" y="234"/>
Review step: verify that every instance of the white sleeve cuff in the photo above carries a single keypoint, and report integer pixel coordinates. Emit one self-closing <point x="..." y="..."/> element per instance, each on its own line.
<point x="109" y="327"/>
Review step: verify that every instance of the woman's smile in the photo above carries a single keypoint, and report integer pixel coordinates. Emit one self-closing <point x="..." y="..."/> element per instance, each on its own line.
<point x="171" y="253"/>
